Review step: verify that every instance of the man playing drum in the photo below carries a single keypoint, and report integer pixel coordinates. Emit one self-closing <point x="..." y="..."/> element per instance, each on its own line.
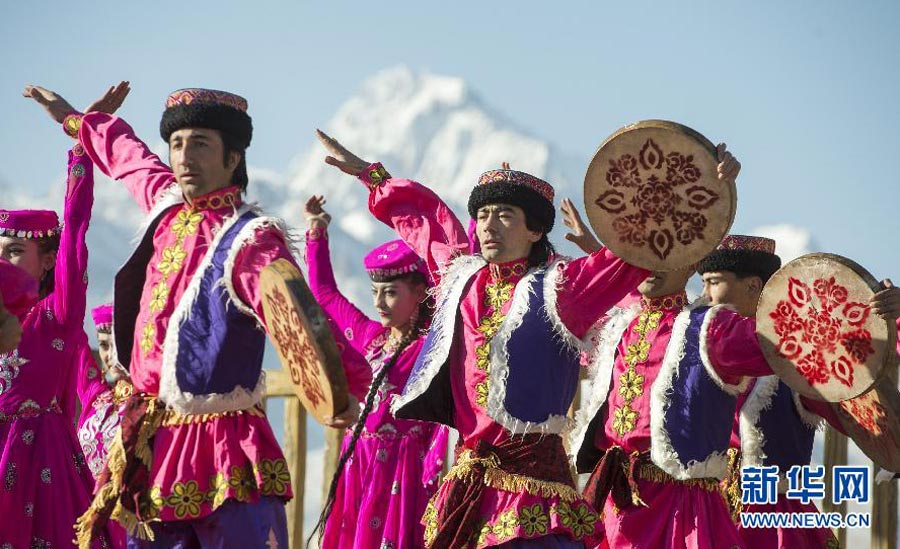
<point x="187" y="310"/>
<point x="501" y="361"/>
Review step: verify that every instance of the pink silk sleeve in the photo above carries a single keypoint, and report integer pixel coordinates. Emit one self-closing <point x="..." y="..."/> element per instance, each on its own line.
<point x="358" y="329"/>
<point x="69" y="295"/>
<point x="733" y="348"/>
<point x="267" y="247"/>
<point x="422" y="220"/>
<point x="118" y="153"/>
<point x="356" y="367"/>
<point x="433" y="463"/>
<point x="590" y="286"/>
<point x="89" y="381"/>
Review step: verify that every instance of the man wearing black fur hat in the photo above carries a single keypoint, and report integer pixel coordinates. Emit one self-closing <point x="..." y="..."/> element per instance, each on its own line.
<point x="501" y="359"/>
<point x="197" y="463"/>
<point x="773" y="425"/>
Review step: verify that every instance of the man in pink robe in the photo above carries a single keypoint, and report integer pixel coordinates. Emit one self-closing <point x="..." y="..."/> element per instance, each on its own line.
<point x="187" y="308"/>
<point x="498" y="365"/>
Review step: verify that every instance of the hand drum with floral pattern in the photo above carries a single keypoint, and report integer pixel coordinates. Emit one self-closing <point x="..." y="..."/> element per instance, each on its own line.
<point x="817" y="330"/>
<point x="873" y="422"/>
<point x="300" y="333"/>
<point x="653" y="196"/>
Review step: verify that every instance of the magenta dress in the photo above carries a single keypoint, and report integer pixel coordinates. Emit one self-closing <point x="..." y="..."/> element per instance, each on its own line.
<point x="46" y="483"/>
<point x="394" y="470"/>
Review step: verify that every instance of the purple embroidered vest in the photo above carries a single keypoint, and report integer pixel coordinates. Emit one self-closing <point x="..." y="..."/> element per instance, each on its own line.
<point x="774" y="427"/>
<point x="691" y="408"/>
<point x="534" y="365"/>
<point x="213" y="349"/>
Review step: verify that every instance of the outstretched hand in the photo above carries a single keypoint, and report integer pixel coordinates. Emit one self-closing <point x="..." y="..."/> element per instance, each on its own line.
<point x="57" y="107"/>
<point x="340" y="157"/>
<point x="112" y="99"/>
<point x="728" y="167"/>
<point x="316" y="216"/>
<point x="578" y="233"/>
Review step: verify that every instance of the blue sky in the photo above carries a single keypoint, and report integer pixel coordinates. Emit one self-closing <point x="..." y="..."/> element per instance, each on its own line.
<point x="803" y="92"/>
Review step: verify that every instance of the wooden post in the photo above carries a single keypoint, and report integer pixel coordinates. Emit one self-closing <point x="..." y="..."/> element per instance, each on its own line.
<point x="835" y="453"/>
<point x="295" y="454"/>
<point x="333" y="440"/>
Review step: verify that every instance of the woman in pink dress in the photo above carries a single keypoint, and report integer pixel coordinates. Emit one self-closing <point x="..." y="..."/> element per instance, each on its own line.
<point x="388" y="468"/>
<point x="46" y="483"/>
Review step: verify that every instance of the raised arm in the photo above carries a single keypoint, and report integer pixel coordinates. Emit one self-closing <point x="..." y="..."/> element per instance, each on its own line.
<point x="110" y="141"/>
<point x="352" y="323"/>
<point x="69" y="296"/>
<point x="424" y="221"/>
<point x="733" y="348"/>
<point x="590" y="286"/>
<point x="112" y="144"/>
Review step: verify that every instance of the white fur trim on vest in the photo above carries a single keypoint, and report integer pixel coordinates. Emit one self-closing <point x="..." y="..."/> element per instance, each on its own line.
<point x="752" y="437"/>
<point x="553" y="282"/>
<point x="449" y="295"/>
<point x="810" y="418"/>
<point x="729" y="388"/>
<point x="499" y="373"/>
<point x="169" y="391"/>
<point x="662" y="452"/>
<point x="600" y="368"/>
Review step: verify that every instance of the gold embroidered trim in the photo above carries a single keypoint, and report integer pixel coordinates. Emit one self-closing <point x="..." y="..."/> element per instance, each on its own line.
<point x="649" y="471"/>
<point x="496" y="295"/>
<point x="497" y="478"/>
<point x="731" y="486"/>
<point x="631" y="384"/>
<point x="171" y="417"/>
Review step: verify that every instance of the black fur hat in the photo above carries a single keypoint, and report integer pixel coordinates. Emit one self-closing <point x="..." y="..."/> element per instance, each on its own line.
<point x="533" y="195"/>
<point x="213" y="109"/>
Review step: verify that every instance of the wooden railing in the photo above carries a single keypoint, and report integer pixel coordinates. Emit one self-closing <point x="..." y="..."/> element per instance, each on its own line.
<point x="884" y="495"/>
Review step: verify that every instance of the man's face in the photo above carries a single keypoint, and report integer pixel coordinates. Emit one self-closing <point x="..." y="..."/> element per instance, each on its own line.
<point x="196" y="157"/>
<point x="503" y="234"/>
<point x="660" y="284"/>
<point x="725" y="288"/>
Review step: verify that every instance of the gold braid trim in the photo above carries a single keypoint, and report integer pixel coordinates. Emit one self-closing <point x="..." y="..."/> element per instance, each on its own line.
<point x="497" y="478"/>
<point x="172" y="418"/>
<point x="649" y="471"/>
<point x="731" y="486"/>
<point x="110" y="493"/>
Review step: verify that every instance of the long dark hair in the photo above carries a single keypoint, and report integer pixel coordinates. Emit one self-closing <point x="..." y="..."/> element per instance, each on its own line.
<point x="426" y="310"/>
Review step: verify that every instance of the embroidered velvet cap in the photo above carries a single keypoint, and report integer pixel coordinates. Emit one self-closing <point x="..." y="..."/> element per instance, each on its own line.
<point x="19" y="289"/>
<point x="203" y="108"/>
<point x="29" y="223"/>
<point x="393" y="259"/>
<point x="533" y="195"/>
<point x="103" y="317"/>
<point x="742" y="254"/>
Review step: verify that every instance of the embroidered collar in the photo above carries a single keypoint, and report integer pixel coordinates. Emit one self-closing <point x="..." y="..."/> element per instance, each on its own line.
<point x="673" y="302"/>
<point x="511" y="271"/>
<point x="229" y="197"/>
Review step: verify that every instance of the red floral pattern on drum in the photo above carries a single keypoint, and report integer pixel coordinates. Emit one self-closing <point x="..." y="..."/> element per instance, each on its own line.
<point x="821" y="331"/>
<point x="867" y="411"/>
<point x="292" y="339"/>
<point x="665" y="213"/>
